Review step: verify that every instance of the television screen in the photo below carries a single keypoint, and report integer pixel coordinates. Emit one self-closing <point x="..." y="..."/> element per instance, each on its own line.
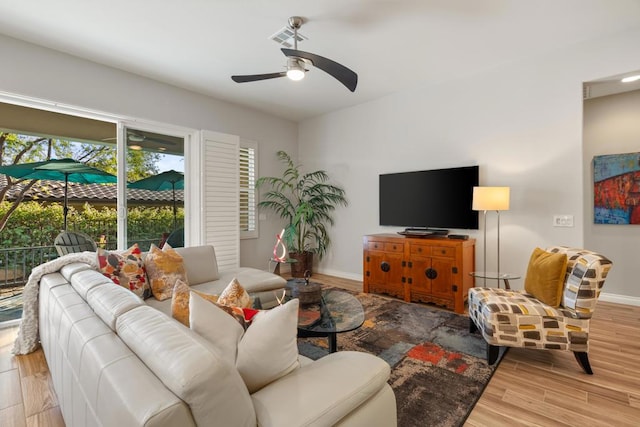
<point x="438" y="198"/>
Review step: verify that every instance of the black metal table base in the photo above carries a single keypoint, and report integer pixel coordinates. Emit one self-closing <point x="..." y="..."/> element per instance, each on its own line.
<point x="332" y="338"/>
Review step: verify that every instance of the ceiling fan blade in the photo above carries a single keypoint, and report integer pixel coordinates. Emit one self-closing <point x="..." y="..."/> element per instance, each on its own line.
<point x="257" y="77"/>
<point x="338" y="71"/>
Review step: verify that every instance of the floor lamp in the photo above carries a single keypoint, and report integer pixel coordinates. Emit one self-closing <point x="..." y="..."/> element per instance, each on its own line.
<point x="490" y="199"/>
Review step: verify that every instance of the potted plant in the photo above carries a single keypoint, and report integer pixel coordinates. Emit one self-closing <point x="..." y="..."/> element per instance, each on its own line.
<point x="306" y="202"/>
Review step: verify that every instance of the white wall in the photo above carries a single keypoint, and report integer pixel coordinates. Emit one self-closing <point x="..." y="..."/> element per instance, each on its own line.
<point x="521" y="123"/>
<point x="612" y="126"/>
<point x="33" y="71"/>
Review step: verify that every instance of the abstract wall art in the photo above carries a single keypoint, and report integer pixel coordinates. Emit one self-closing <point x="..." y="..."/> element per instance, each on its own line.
<point x="616" y="189"/>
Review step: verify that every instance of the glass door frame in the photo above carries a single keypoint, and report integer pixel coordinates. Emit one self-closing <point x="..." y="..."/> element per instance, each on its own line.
<point x="191" y="138"/>
<point x="188" y="135"/>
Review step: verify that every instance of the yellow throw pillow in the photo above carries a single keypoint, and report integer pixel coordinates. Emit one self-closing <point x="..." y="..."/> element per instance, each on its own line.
<point x="164" y="267"/>
<point x="180" y="301"/>
<point x="235" y="295"/>
<point x="545" y="276"/>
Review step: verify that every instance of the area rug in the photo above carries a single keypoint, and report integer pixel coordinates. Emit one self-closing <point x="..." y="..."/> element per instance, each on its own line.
<point x="438" y="368"/>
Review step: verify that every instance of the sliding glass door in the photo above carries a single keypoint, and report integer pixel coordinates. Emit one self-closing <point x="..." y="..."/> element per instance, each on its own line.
<point x="154" y="191"/>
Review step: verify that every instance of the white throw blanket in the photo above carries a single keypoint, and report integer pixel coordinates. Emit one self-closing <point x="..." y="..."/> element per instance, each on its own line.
<point x="28" y="337"/>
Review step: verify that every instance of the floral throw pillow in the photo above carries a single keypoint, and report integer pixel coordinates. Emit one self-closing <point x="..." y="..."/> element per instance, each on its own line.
<point x="164" y="267"/>
<point x="235" y="295"/>
<point x="125" y="269"/>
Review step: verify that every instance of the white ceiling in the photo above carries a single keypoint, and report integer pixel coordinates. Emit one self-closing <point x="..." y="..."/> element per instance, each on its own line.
<point x="392" y="45"/>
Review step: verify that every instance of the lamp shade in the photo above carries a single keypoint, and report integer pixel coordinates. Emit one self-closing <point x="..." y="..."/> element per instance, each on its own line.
<point x="490" y="198"/>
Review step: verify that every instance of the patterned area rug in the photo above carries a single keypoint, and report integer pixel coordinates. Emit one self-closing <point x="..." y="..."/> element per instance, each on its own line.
<point x="438" y="369"/>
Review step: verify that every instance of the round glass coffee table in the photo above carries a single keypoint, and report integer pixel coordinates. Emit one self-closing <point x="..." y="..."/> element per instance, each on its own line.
<point x="338" y="311"/>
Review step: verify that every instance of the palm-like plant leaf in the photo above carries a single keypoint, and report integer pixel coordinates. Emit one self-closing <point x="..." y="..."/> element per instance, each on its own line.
<point x="306" y="201"/>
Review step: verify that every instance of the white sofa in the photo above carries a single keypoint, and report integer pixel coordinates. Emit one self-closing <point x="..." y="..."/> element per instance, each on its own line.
<point x="117" y="361"/>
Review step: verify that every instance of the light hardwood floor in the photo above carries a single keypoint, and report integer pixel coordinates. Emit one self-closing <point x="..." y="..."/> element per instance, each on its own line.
<point x="530" y="387"/>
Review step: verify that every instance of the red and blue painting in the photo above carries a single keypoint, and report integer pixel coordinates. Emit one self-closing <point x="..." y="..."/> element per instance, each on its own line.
<point x="616" y="189"/>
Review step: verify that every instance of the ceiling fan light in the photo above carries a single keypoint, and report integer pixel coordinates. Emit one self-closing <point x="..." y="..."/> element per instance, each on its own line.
<point x="295" y="69"/>
<point x="295" y="74"/>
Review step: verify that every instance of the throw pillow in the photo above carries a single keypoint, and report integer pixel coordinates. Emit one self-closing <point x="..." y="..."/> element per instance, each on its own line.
<point x="269" y="348"/>
<point x="164" y="268"/>
<point x="222" y="331"/>
<point x="125" y="269"/>
<point x="180" y="301"/>
<point x="545" y="276"/>
<point x="235" y="295"/>
<point x="266" y="351"/>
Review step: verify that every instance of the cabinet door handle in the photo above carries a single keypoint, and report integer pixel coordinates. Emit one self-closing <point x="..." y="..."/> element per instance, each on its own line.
<point x="431" y="273"/>
<point x="384" y="266"/>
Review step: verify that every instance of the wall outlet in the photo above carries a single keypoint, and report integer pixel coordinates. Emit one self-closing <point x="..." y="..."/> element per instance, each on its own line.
<point x="563" y="220"/>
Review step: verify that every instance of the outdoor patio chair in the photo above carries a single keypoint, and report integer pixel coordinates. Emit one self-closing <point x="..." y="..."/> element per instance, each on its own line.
<point x="176" y="238"/>
<point x="69" y="242"/>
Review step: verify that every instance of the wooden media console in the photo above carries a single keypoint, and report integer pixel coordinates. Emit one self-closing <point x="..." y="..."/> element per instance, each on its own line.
<point x="432" y="269"/>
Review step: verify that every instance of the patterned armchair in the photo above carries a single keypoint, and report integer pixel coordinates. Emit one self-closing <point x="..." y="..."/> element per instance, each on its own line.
<point x="515" y="319"/>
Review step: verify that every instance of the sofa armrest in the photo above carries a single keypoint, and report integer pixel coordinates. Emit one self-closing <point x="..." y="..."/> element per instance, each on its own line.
<point x="322" y="392"/>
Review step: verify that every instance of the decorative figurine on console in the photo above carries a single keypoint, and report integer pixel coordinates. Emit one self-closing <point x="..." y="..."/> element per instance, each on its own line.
<point x="283" y="252"/>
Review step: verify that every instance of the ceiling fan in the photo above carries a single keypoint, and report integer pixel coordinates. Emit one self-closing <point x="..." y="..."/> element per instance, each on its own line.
<point x="297" y="61"/>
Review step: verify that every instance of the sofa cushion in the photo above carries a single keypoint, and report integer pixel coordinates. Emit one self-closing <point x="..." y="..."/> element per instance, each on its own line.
<point x="70" y="269"/>
<point x="266" y="351"/>
<point x="164" y="268"/>
<point x="109" y="302"/>
<point x="125" y="269"/>
<point x="200" y="262"/>
<point x="186" y="365"/>
<point x="545" y="276"/>
<point x="85" y="280"/>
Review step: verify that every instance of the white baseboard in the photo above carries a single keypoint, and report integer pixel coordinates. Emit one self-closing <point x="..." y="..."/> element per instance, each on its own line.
<point x="619" y="299"/>
<point x="341" y="274"/>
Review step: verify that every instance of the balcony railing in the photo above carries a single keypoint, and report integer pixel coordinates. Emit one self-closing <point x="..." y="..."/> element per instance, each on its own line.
<point x="16" y="265"/>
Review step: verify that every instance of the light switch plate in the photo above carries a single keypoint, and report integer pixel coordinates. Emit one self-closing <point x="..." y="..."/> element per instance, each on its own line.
<point x="563" y="220"/>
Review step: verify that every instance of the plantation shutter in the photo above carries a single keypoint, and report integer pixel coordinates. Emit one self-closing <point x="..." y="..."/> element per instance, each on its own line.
<point x="248" y="224"/>
<point x="220" y="186"/>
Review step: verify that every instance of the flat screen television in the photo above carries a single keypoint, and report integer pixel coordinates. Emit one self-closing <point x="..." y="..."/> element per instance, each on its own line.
<point x="437" y="198"/>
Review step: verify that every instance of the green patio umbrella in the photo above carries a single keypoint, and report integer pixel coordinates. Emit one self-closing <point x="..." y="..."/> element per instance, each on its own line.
<point x="67" y="170"/>
<point x="169" y="180"/>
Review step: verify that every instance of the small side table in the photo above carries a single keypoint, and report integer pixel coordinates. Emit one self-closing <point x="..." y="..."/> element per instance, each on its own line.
<point x="492" y="275"/>
<point x="274" y="264"/>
